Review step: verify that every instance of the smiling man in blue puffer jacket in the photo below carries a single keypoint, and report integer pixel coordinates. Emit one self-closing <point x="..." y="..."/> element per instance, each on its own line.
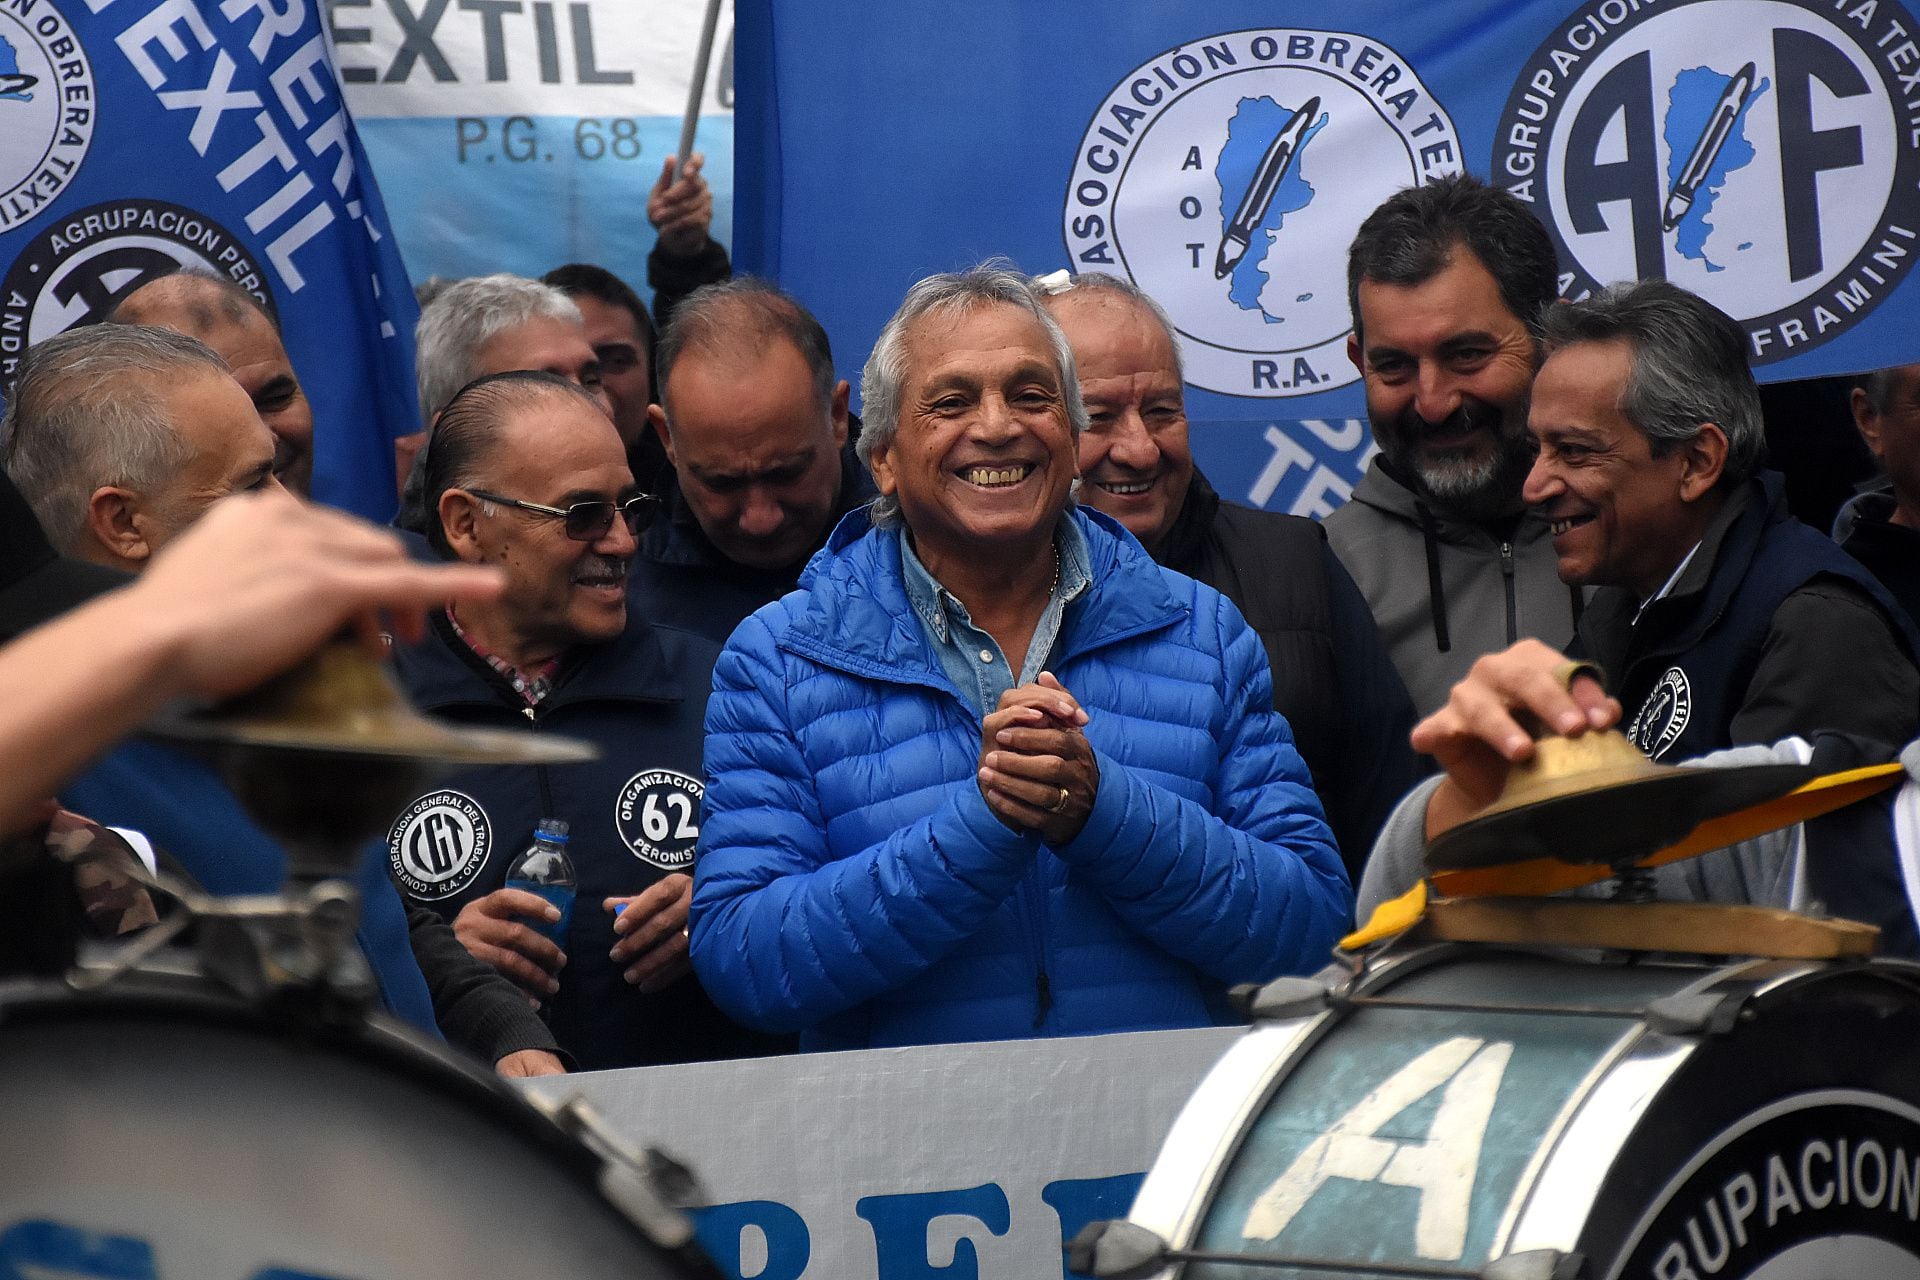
<point x="991" y="772"/>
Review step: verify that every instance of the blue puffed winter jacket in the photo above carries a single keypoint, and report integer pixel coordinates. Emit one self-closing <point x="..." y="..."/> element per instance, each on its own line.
<point x="853" y="885"/>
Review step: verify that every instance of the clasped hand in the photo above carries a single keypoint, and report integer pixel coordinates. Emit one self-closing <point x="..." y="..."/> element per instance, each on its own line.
<point x="1037" y="770"/>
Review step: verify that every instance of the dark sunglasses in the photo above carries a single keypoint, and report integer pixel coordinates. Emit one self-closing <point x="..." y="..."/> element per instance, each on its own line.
<point x="585" y="521"/>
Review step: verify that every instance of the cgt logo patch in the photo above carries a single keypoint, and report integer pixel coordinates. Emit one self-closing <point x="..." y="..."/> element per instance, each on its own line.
<point x="1216" y="175"/>
<point x="1760" y="153"/>
<point x="437" y="847"/>
<point x="658" y="817"/>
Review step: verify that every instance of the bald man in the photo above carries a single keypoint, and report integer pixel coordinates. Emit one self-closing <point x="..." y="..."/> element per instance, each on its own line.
<point x="238" y="326"/>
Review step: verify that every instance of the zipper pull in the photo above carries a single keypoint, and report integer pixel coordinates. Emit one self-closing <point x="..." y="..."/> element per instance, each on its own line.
<point x="527" y="712"/>
<point x="1506" y="559"/>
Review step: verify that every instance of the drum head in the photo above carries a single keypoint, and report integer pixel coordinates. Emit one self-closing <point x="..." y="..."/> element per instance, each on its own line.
<point x="176" y="1127"/>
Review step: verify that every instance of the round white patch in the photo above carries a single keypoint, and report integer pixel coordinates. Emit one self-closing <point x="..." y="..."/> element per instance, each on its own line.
<point x="439" y="845"/>
<point x="1663" y="717"/>
<point x="658" y="817"/>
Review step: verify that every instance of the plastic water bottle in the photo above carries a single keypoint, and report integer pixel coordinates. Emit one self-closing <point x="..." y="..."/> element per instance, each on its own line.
<point x="546" y="871"/>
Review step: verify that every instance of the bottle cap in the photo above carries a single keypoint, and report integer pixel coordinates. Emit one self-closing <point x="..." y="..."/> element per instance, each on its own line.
<point x="554" y="829"/>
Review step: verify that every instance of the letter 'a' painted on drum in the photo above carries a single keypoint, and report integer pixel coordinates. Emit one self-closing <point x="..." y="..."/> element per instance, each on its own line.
<point x="1442" y="1168"/>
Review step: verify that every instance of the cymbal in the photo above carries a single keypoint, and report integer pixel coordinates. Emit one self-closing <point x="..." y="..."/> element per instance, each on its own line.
<point x="342" y="702"/>
<point x="1597" y="799"/>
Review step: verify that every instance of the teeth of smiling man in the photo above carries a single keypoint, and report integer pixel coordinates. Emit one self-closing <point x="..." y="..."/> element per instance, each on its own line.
<point x="1127" y="489"/>
<point x="993" y="477"/>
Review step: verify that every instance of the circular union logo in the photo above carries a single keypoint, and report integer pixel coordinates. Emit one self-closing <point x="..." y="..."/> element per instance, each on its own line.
<point x="1756" y="152"/>
<point x="1820" y="1184"/>
<point x="75" y="270"/>
<point x="1226" y="178"/>
<point x="1663" y="717"/>
<point x="658" y="817"/>
<point x="46" y="109"/>
<point x="439" y="845"/>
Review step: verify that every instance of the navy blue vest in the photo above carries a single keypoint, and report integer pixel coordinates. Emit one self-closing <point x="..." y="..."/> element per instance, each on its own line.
<point x="1684" y="672"/>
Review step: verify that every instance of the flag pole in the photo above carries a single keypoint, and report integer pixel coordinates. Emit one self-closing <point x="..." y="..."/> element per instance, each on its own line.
<point x="697" y="90"/>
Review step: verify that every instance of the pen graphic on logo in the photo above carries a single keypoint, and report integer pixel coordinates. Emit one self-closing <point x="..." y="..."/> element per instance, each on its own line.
<point x="1252" y="210"/>
<point x="1706" y="149"/>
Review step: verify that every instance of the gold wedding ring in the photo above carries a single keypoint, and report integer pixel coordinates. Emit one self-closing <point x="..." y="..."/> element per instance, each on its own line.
<point x="1061" y="803"/>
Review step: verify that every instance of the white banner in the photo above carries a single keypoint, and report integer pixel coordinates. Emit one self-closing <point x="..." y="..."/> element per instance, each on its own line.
<point x="516" y="135"/>
<point x="956" y="1162"/>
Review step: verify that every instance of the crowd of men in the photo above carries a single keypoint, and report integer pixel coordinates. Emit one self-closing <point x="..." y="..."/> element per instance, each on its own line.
<point x="986" y="716"/>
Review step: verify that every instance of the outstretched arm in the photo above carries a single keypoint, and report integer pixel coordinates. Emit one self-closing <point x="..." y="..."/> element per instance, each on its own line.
<point x="255" y="586"/>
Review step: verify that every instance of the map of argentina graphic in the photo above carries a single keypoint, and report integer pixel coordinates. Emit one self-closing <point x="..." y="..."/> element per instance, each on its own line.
<point x="1255" y="124"/>
<point x="1696" y="94"/>
<point x="13" y="85"/>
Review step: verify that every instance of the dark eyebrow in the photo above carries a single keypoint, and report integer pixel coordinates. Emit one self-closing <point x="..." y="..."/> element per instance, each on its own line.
<point x="786" y="462"/>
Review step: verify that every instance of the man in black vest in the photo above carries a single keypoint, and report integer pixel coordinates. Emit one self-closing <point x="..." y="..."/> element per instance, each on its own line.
<point x="1332" y="678"/>
<point x="1881" y="527"/>
<point x="1721" y="619"/>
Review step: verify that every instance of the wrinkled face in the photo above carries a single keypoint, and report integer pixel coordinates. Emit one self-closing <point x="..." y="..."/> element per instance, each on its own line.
<point x="231" y="451"/>
<point x="1893" y="433"/>
<point x="756" y="453"/>
<point x="1447" y="370"/>
<point x="624" y="371"/>
<point x="260" y="365"/>
<point x="544" y="345"/>
<point x="983" y="458"/>
<point x="1617" y="513"/>
<point x="555" y="451"/>
<point x="1134" y="461"/>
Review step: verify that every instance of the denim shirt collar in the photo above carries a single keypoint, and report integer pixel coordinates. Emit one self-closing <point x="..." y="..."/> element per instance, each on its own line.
<point x="936" y="605"/>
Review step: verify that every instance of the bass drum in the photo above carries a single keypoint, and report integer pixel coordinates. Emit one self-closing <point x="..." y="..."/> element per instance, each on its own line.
<point x="1454" y="1105"/>
<point x="159" y="1130"/>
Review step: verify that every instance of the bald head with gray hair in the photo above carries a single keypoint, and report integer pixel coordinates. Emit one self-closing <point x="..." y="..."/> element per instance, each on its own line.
<point x="948" y="297"/>
<point x="1100" y="285"/>
<point x="89" y="408"/>
<point x="463" y="317"/>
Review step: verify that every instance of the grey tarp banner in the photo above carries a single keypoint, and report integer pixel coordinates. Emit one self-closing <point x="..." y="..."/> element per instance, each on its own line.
<point x="963" y="1162"/>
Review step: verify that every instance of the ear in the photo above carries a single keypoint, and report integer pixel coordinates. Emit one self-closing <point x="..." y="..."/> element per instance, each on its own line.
<point x="880" y="462"/>
<point x="1702" y="461"/>
<point x="1353" y="352"/>
<point x="119" y="527"/>
<point x="1865" y="419"/>
<point x="842" y="391"/>
<point x="657" y="419"/>
<point x="459" y="513"/>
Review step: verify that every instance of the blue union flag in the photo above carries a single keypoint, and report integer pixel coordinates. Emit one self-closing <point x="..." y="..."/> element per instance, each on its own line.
<point x="1759" y="152"/>
<point x="141" y="136"/>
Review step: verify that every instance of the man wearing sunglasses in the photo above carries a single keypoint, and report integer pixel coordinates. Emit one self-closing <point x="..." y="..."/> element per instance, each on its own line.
<point x="527" y="473"/>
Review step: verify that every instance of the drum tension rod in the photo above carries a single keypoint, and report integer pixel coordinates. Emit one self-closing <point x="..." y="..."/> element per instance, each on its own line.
<point x="1285" y="998"/>
<point x="1121" y="1250"/>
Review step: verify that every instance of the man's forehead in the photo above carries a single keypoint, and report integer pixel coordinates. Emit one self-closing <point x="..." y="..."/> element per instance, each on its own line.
<point x="534" y="344"/>
<point x="949" y="345"/>
<point x="1462" y="296"/>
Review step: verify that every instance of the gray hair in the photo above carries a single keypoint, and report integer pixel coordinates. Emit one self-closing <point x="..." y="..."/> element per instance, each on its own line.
<point x="884" y="380"/>
<point x="1689" y="366"/>
<point x="737" y="318"/>
<point x="466" y="315"/>
<point x="89" y="409"/>
<point x="1106" y="286"/>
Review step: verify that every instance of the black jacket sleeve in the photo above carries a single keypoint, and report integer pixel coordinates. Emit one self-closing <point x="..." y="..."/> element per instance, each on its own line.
<point x="478" y="1010"/>
<point x="672" y="277"/>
